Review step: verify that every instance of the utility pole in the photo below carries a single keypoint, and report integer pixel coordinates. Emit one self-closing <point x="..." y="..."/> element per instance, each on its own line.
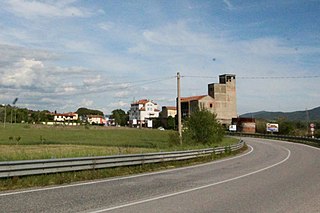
<point x="179" y="107"/>
<point x="5" y="116"/>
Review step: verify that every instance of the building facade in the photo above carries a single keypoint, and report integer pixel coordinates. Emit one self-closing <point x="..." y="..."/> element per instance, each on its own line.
<point x="245" y="125"/>
<point x="225" y="96"/>
<point x="168" y="111"/>
<point x="65" y="117"/>
<point x="96" y="119"/>
<point x="143" y="111"/>
<point x="193" y="103"/>
<point x="221" y="100"/>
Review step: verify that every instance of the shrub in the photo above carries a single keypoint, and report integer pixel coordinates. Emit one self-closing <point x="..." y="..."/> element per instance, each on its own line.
<point x="202" y="127"/>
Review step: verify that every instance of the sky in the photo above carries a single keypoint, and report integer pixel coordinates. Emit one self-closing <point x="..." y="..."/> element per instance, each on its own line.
<point x="66" y="54"/>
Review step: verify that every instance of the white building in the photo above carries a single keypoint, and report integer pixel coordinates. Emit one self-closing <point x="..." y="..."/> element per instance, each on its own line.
<point x="65" y="117"/>
<point x="96" y="119"/>
<point x="142" y="112"/>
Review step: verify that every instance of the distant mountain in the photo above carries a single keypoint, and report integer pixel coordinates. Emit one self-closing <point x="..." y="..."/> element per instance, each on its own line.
<point x="311" y="115"/>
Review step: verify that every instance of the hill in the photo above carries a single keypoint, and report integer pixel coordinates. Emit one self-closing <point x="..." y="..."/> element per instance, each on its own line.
<point x="311" y="115"/>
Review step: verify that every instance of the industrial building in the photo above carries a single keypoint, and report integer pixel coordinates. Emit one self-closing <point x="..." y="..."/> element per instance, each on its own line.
<point x="221" y="100"/>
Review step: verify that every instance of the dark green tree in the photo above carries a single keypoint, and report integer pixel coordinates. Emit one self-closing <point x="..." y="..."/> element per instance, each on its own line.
<point x="120" y="117"/>
<point x="202" y="127"/>
<point x="171" y="122"/>
<point x="84" y="112"/>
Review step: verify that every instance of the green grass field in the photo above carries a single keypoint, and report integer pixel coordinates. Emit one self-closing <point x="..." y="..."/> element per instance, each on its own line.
<point x="25" y="141"/>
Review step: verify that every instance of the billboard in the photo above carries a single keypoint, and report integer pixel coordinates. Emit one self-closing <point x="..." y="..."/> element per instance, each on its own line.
<point x="272" y="127"/>
<point x="232" y="128"/>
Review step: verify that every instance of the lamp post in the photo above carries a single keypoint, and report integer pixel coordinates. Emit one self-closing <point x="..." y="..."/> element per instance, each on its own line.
<point x="179" y="107"/>
<point x="13" y="103"/>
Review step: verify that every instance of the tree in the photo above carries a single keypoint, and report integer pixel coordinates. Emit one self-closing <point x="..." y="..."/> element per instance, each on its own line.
<point x="202" y="127"/>
<point x="120" y="117"/>
<point x="171" y="122"/>
<point x="84" y="112"/>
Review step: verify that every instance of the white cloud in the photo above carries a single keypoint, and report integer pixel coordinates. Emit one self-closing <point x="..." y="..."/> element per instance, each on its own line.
<point x="81" y="46"/>
<point x="25" y="73"/>
<point x="70" y="70"/>
<point x="107" y="26"/>
<point x="121" y="94"/>
<point x="119" y="104"/>
<point x="86" y="103"/>
<point x="34" y="9"/>
<point x="174" y="35"/>
<point x="11" y="53"/>
<point x="229" y="4"/>
<point x="268" y="47"/>
<point x="95" y="81"/>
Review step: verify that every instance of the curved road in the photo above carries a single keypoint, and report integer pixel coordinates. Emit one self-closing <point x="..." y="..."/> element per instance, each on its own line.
<point x="271" y="176"/>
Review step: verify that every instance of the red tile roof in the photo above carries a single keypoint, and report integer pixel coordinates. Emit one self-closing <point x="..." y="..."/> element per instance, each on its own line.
<point x="171" y="107"/>
<point x="143" y="101"/>
<point x="192" y="98"/>
<point x="66" y="114"/>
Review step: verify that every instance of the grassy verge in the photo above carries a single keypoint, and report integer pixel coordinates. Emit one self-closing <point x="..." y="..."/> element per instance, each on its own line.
<point x="69" y="177"/>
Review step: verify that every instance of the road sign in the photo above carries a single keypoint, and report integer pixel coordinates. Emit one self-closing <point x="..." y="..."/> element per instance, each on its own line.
<point x="272" y="127"/>
<point x="312" y="125"/>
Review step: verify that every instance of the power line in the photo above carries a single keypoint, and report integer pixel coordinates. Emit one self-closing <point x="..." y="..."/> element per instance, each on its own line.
<point x="257" y="77"/>
<point x="277" y="77"/>
<point x="196" y="76"/>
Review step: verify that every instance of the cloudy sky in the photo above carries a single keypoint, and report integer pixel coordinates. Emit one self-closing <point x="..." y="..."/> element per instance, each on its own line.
<point x="62" y="55"/>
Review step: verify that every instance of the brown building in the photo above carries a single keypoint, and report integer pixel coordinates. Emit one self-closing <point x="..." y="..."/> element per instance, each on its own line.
<point x="168" y="111"/>
<point x="193" y="103"/>
<point x="221" y="100"/>
<point x="245" y="125"/>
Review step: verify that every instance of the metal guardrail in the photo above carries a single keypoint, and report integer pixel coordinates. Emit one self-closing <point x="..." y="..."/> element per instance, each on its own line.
<point x="36" y="167"/>
<point x="307" y="140"/>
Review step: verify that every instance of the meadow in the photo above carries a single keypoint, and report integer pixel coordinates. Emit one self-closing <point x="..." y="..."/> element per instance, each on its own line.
<point x="26" y="141"/>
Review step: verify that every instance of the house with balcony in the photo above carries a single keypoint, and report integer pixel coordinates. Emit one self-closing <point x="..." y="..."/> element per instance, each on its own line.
<point x="142" y="113"/>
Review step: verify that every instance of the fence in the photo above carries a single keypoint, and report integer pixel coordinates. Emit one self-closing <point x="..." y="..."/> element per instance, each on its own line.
<point x="36" y="167"/>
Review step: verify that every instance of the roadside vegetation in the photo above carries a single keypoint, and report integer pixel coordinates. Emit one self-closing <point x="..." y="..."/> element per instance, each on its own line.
<point x="70" y="177"/>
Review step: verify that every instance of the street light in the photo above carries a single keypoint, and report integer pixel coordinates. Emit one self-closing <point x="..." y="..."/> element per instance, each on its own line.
<point x="13" y="103"/>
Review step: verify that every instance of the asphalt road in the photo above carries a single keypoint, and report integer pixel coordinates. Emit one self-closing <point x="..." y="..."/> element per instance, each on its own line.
<point x="271" y="176"/>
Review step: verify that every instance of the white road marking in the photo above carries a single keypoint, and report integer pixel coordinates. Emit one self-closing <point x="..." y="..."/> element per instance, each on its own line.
<point x="197" y="188"/>
<point x="123" y="178"/>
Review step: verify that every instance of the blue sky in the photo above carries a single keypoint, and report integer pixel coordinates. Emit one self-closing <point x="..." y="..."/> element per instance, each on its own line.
<point x="62" y="55"/>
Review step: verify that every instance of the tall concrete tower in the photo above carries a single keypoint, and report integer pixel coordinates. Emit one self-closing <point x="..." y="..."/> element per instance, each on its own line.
<point x="225" y="96"/>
